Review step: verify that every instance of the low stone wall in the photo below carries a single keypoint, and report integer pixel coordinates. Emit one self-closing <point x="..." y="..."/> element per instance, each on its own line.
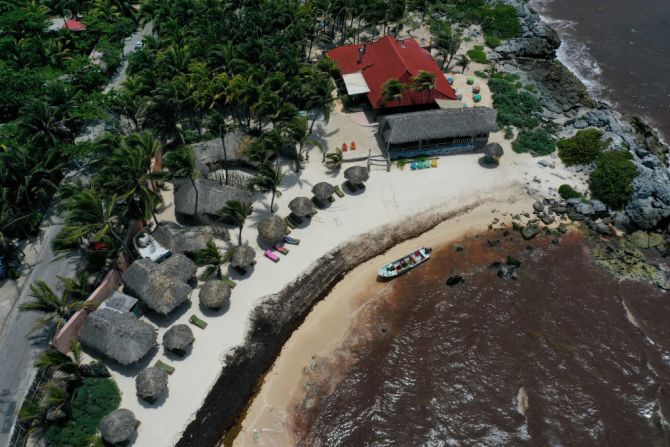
<point x="273" y="321"/>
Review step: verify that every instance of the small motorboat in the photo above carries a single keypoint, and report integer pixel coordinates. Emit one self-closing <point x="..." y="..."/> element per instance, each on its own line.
<point x="405" y="264"/>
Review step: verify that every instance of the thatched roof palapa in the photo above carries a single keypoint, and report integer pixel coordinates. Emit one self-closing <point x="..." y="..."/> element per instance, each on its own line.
<point x="179" y="239"/>
<point x="151" y="383"/>
<point x="493" y="151"/>
<point x="357" y="175"/>
<point x="242" y="256"/>
<point x="212" y="196"/>
<point x="211" y="152"/>
<point x="118" y="426"/>
<point x="272" y="228"/>
<point x="160" y="292"/>
<point x="178" y="338"/>
<point x="437" y="124"/>
<point x="178" y="266"/>
<point x="301" y="206"/>
<point x="119" y="336"/>
<point x="323" y="190"/>
<point x="214" y="294"/>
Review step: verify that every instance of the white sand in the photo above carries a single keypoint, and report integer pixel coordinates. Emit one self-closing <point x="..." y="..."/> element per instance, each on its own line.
<point x="390" y="196"/>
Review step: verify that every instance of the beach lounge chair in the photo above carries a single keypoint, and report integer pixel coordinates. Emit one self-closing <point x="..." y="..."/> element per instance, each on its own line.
<point x="194" y="320"/>
<point x="291" y="240"/>
<point x="165" y="367"/>
<point x="271" y="256"/>
<point x="419" y="164"/>
<point x="413" y="166"/>
<point x="289" y="222"/>
<point x="344" y="147"/>
<point x="229" y="282"/>
<point x="353" y="145"/>
<point x="338" y="191"/>
<point x="433" y="162"/>
<point x="281" y="249"/>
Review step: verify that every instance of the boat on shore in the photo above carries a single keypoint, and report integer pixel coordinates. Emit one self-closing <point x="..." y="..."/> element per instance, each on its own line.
<point x="406" y="263"/>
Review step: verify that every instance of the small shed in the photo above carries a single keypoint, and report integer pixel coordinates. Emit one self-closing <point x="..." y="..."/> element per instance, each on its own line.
<point x="212" y="196"/>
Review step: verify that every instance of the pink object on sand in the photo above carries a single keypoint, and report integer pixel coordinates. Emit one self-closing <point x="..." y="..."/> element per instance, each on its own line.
<point x="270" y="255"/>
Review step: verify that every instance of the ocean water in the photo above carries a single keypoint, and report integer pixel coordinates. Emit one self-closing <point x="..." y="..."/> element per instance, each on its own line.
<point x="551" y="358"/>
<point x="620" y="49"/>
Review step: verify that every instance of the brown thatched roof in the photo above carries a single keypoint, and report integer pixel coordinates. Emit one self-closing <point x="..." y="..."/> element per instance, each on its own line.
<point x="494" y="150"/>
<point x="323" y="190"/>
<point x="211" y="152"/>
<point x="178" y="266"/>
<point x="178" y="338"/>
<point x="119" y="336"/>
<point x="179" y="239"/>
<point x="272" y="228"/>
<point x="151" y="383"/>
<point x="212" y="196"/>
<point x="160" y="292"/>
<point x="357" y="175"/>
<point x="301" y="206"/>
<point x="118" y="426"/>
<point x="214" y="294"/>
<point x="437" y="124"/>
<point x="242" y="256"/>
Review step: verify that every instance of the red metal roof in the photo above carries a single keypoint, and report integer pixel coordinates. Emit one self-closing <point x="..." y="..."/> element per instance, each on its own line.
<point x="74" y="25"/>
<point x="387" y="58"/>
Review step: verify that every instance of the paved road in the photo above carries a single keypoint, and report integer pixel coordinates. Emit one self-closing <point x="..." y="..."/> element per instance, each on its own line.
<point x="18" y="346"/>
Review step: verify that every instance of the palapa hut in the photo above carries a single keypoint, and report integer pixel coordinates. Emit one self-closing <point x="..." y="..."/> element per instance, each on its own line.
<point x="272" y="228"/>
<point x="178" y="266"/>
<point x="118" y="336"/>
<point x="493" y="152"/>
<point x="151" y="383"/>
<point x="118" y="426"/>
<point x="181" y="239"/>
<point x="160" y="292"/>
<point x="436" y="132"/>
<point x="323" y="191"/>
<point x="242" y="257"/>
<point x="212" y="196"/>
<point x="214" y="294"/>
<point x="357" y="175"/>
<point x="178" y="338"/>
<point x="301" y="206"/>
<point x="210" y="156"/>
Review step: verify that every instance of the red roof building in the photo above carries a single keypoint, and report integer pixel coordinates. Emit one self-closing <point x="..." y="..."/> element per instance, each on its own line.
<point x="385" y="59"/>
<point x="74" y="25"/>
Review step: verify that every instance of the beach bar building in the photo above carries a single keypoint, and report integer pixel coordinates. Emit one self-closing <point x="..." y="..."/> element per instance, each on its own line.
<point x="436" y="132"/>
<point x="366" y="67"/>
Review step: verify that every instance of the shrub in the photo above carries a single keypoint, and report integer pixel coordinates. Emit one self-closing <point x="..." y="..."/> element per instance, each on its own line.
<point x="501" y="21"/>
<point x="481" y="74"/>
<point x="568" y="192"/>
<point x="515" y="108"/>
<point x="509" y="133"/>
<point x="93" y="400"/>
<point x="612" y="179"/>
<point x="478" y="55"/>
<point x="491" y="41"/>
<point x="581" y="149"/>
<point x="537" y="142"/>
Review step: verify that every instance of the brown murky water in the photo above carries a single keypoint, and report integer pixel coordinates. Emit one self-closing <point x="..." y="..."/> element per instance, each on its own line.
<point x="549" y="359"/>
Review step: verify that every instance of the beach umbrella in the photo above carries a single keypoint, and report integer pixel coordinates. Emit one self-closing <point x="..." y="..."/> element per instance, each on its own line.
<point x="323" y="190"/>
<point x="151" y="383"/>
<point x="272" y="228"/>
<point x="118" y="426"/>
<point x="178" y="338"/>
<point x="493" y="151"/>
<point x="301" y="206"/>
<point x="214" y="294"/>
<point x="242" y="257"/>
<point x="357" y="175"/>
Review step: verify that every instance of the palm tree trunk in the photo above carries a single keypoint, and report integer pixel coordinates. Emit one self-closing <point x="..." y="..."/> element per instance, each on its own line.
<point x="124" y="246"/>
<point x="272" y="201"/>
<point x="225" y="157"/>
<point x="239" y="237"/>
<point x="195" y="211"/>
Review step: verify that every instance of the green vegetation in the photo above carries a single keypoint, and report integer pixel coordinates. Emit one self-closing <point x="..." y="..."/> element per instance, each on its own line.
<point x="481" y="74"/>
<point x="491" y="41"/>
<point x="536" y="142"/>
<point x="515" y="107"/>
<point x="497" y="20"/>
<point x="94" y="399"/>
<point x="612" y="179"/>
<point x="477" y="54"/>
<point x="509" y="133"/>
<point x="583" y="148"/>
<point x="567" y="192"/>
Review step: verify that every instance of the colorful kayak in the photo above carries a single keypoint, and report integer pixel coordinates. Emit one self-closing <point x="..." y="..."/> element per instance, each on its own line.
<point x="405" y="264"/>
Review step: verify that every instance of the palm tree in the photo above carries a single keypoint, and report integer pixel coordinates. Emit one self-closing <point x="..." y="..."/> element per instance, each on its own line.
<point x="40" y="124"/>
<point x="57" y="309"/>
<point x="423" y="81"/>
<point x="180" y="163"/>
<point x="52" y="359"/>
<point x="219" y="127"/>
<point x="211" y="257"/>
<point x="334" y="160"/>
<point x="267" y="180"/>
<point x="48" y="405"/>
<point x="392" y="90"/>
<point x="463" y="62"/>
<point x="235" y="213"/>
